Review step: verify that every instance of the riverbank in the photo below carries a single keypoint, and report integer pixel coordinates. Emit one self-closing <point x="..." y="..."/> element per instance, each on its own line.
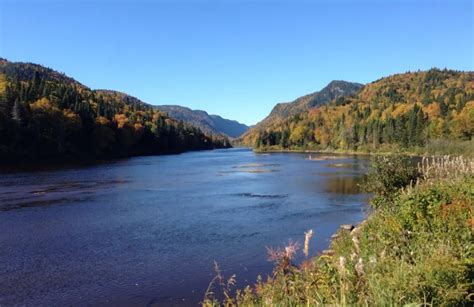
<point x="415" y="248"/>
<point x="433" y="148"/>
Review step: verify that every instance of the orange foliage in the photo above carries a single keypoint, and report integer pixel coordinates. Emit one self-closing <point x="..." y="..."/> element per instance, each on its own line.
<point x="42" y="103"/>
<point x="121" y="120"/>
<point x="138" y="127"/>
<point x="432" y="110"/>
<point x="102" y="120"/>
<point x="401" y="109"/>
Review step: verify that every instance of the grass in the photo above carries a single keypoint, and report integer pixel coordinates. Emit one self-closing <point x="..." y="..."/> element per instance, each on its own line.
<point x="416" y="248"/>
<point x="438" y="147"/>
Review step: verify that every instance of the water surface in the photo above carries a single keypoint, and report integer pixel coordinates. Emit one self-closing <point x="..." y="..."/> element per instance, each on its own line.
<point x="146" y="230"/>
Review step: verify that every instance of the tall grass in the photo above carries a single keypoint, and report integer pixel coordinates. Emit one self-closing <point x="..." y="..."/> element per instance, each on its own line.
<point x="415" y="249"/>
<point x="445" y="167"/>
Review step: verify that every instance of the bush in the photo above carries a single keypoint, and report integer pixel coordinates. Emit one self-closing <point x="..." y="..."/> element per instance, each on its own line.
<point x="388" y="175"/>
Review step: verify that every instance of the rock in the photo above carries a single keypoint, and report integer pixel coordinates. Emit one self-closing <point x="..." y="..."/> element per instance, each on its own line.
<point x="334" y="236"/>
<point x="347" y="227"/>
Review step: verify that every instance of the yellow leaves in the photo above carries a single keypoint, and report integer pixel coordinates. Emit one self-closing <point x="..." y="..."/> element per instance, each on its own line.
<point x="138" y="127"/>
<point x="432" y="110"/>
<point x="43" y="104"/>
<point x="121" y="120"/>
<point x="322" y="136"/>
<point x="401" y="109"/>
<point x="168" y="122"/>
<point x="297" y="135"/>
<point x="69" y="114"/>
<point x="388" y="111"/>
<point x="462" y="124"/>
<point x="435" y="128"/>
<point x="102" y="120"/>
<point x="3" y="83"/>
<point x="72" y="120"/>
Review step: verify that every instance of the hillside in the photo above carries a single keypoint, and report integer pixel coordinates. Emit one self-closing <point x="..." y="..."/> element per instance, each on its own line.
<point x="282" y="111"/>
<point x="46" y="115"/>
<point x="403" y="111"/>
<point x="211" y="124"/>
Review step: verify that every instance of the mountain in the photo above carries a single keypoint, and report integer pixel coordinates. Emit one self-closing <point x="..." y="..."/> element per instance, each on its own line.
<point x="46" y="115"/>
<point x="212" y="124"/>
<point x="282" y="111"/>
<point x="332" y="91"/>
<point x="432" y="108"/>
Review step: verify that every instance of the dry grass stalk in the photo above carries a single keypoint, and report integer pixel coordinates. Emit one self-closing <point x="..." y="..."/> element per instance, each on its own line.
<point x="307" y="236"/>
<point x="445" y="167"/>
<point x="283" y="257"/>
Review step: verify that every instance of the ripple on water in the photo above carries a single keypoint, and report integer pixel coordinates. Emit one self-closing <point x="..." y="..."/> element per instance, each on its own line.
<point x="255" y="195"/>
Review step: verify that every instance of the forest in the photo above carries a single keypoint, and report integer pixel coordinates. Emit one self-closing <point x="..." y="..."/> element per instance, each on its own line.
<point x="45" y="115"/>
<point x="407" y="111"/>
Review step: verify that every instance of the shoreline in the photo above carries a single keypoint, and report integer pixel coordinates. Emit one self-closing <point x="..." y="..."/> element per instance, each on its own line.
<point x="351" y="152"/>
<point x="14" y="166"/>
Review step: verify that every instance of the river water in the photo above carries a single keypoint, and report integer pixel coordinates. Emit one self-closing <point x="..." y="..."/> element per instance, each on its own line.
<point x="147" y="230"/>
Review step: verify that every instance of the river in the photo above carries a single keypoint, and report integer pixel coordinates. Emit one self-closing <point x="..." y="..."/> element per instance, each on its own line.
<point x="147" y="230"/>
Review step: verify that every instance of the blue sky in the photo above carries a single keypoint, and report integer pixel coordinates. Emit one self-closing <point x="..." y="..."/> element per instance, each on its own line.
<point x="235" y="58"/>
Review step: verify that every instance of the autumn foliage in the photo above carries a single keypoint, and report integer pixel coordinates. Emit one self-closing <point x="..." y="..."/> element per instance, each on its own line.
<point x="47" y="115"/>
<point x="401" y="111"/>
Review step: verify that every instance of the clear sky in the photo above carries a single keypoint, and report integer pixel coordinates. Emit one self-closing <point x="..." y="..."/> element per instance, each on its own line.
<point x="235" y="58"/>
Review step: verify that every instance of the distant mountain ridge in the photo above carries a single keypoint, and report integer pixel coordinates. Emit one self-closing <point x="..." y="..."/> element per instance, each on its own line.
<point x="213" y="124"/>
<point x="48" y="116"/>
<point x="284" y="110"/>
<point x="333" y="90"/>
<point x="423" y="111"/>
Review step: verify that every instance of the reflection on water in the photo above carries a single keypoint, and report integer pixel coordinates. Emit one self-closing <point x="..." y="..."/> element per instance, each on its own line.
<point x="346" y="185"/>
<point x="30" y="193"/>
<point x="148" y="229"/>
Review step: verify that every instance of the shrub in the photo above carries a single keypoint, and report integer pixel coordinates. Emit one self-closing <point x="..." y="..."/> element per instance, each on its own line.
<point x="388" y="175"/>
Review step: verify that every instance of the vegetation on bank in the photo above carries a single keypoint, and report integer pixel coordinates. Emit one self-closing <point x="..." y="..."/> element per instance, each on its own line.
<point x="47" y="115"/>
<point x="414" y="112"/>
<point x="415" y="248"/>
<point x="438" y="147"/>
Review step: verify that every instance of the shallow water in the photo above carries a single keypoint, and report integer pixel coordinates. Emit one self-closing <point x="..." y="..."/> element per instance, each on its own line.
<point x="147" y="230"/>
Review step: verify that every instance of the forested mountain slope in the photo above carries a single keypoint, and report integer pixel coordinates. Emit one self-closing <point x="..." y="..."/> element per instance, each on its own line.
<point x="211" y="124"/>
<point x="406" y="110"/>
<point x="282" y="111"/>
<point x="48" y="115"/>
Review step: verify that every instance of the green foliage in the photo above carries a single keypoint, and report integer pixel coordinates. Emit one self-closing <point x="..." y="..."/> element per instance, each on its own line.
<point x="417" y="249"/>
<point x="47" y="115"/>
<point x="405" y="111"/>
<point x="388" y="175"/>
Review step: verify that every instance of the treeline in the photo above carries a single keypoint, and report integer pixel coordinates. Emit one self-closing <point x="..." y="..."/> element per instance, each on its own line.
<point x="403" y="111"/>
<point x="46" y="115"/>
